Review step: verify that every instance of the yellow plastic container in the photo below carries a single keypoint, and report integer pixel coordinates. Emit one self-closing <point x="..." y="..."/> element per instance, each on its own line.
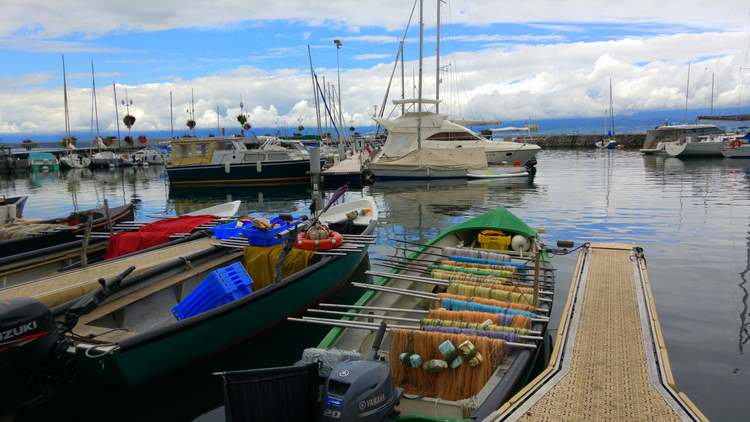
<point x="494" y="239"/>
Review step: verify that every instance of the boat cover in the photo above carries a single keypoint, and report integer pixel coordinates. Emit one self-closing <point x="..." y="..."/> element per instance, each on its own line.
<point x="260" y="263"/>
<point x="438" y="159"/>
<point x="153" y="234"/>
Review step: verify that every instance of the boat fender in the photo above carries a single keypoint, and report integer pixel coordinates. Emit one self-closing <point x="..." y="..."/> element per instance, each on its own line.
<point x="520" y="243"/>
<point x="259" y="166"/>
<point x="227" y="168"/>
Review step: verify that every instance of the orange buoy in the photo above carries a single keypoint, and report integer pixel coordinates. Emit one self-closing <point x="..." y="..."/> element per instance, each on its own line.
<point x="334" y="240"/>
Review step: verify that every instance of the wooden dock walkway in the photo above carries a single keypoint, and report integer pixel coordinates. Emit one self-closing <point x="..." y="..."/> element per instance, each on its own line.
<point x="58" y="288"/>
<point x="609" y="361"/>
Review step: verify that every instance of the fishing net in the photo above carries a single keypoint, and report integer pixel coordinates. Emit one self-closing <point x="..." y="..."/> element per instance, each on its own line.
<point x="451" y="383"/>
<point x="21" y="230"/>
<point x="513" y="321"/>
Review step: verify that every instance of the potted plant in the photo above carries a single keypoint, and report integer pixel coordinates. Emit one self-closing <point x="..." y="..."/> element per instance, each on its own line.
<point x="143" y="140"/>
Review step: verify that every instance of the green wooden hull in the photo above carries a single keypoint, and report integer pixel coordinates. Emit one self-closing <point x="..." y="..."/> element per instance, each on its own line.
<point x="189" y="341"/>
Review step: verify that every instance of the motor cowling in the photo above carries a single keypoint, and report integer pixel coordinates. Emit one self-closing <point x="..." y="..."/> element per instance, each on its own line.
<point x="361" y="391"/>
<point x="29" y="340"/>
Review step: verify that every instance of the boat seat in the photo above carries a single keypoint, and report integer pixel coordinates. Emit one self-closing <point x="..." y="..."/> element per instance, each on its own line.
<point x="102" y="334"/>
<point x="139" y="294"/>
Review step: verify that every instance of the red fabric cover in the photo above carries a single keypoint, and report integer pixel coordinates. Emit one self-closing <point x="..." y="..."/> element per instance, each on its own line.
<point x="152" y="234"/>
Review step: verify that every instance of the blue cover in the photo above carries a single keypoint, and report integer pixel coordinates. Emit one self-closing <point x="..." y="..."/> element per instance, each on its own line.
<point x="220" y="287"/>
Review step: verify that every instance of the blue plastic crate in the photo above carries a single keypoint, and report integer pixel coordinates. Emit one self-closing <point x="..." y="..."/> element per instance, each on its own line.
<point x="225" y="231"/>
<point x="218" y="288"/>
<point x="259" y="237"/>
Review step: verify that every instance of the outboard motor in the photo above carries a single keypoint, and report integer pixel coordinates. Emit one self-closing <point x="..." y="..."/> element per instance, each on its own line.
<point x="361" y="390"/>
<point x="531" y="167"/>
<point x="29" y="344"/>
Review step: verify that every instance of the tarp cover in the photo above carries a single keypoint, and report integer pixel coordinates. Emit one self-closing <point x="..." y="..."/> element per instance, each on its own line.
<point x="153" y="234"/>
<point x="260" y="263"/>
<point x="439" y="159"/>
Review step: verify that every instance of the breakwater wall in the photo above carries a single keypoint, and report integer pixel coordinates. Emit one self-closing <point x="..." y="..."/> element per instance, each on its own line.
<point x="627" y="140"/>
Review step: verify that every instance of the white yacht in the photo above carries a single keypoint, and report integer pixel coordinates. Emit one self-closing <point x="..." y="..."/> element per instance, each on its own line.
<point x="74" y="160"/>
<point x="106" y="159"/>
<point x="737" y="146"/>
<point x="148" y="157"/>
<point x="700" y="146"/>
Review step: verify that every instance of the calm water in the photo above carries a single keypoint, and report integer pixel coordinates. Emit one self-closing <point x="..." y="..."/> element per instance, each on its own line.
<point x="692" y="218"/>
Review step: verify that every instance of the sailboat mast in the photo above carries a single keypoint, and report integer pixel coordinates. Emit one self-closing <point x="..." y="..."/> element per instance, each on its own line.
<point x="65" y="100"/>
<point x="96" y="106"/>
<point x="712" y="92"/>
<point x="687" y="93"/>
<point x="419" y="92"/>
<point x="403" y="82"/>
<point x="171" y="118"/>
<point x="315" y="89"/>
<point x="611" y="110"/>
<point x="437" y="60"/>
<point x="117" y="115"/>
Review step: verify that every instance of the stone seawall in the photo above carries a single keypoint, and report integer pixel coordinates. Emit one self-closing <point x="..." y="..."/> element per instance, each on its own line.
<point x="628" y="140"/>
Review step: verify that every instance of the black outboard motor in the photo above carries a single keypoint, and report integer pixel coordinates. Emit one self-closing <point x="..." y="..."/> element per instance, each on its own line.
<point x="361" y="390"/>
<point x="531" y="167"/>
<point x="29" y="345"/>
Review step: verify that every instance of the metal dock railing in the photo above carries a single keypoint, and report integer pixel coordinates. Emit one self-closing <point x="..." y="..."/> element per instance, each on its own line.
<point x="609" y="362"/>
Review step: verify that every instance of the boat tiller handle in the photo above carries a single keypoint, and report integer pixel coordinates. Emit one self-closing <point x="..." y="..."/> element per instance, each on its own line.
<point x="378" y="340"/>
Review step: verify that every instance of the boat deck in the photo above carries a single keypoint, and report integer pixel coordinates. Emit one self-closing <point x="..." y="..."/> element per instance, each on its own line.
<point x="609" y="362"/>
<point x="61" y="287"/>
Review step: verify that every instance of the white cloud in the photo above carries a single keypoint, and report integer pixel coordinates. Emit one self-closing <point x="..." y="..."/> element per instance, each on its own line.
<point x="42" y="45"/>
<point x="539" y="80"/>
<point x="500" y="38"/>
<point x="371" y="56"/>
<point x="556" y="27"/>
<point x="45" y="18"/>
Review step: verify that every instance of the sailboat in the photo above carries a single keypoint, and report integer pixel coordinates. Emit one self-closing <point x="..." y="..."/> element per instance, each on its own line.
<point x="71" y="159"/>
<point x="609" y="141"/>
<point x="424" y="144"/>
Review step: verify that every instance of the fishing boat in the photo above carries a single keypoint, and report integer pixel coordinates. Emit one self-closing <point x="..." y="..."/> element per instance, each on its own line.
<point x="227" y="161"/>
<point x="38" y="263"/>
<point x="450" y="333"/>
<point x="126" y="332"/>
<point x="43" y="161"/>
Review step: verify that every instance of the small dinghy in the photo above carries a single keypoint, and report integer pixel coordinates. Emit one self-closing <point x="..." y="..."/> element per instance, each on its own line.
<point x="497" y="173"/>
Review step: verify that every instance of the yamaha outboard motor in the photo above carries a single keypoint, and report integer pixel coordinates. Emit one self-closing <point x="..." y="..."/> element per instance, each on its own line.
<point x="361" y="390"/>
<point x="29" y="343"/>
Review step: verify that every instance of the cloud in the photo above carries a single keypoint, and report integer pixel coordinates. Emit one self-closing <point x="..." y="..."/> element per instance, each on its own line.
<point x="556" y="27"/>
<point x="61" y="17"/>
<point x="43" y="45"/>
<point x="538" y="80"/>
<point x="381" y="39"/>
<point x="371" y="56"/>
<point x="505" y="38"/>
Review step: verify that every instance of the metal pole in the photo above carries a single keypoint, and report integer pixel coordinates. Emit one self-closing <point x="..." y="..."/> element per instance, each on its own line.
<point x="218" y="125"/>
<point x="338" y="76"/>
<point x="403" y="81"/>
<point x="419" y="95"/>
<point x="93" y="93"/>
<point x="537" y="270"/>
<point x="687" y="93"/>
<point x="712" y="92"/>
<point x="117" y="116"/>
<point x="171" y="117"/>
<point x="437" y="60"/>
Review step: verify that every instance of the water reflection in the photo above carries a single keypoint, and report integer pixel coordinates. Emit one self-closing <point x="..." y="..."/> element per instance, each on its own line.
<point x="744" y="335"/>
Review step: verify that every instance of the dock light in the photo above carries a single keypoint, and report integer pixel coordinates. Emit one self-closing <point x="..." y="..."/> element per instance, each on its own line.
<point x="338" y="43"/>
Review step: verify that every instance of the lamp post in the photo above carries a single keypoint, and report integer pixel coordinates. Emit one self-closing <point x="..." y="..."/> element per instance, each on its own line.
<point x="338" y="45"/>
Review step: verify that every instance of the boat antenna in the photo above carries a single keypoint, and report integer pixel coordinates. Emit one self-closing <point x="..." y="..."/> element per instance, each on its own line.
<point x="437" y="59"/>
<point x="171" y="116"/>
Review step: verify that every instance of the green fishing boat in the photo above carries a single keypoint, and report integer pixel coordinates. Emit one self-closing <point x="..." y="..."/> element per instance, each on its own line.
<point x="128" y="331"/>
<point x="450" y="332"/>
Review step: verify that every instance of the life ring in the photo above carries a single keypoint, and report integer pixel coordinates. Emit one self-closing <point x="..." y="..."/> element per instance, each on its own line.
<point x="735" y="144"/>
<point x="334" y="240"/>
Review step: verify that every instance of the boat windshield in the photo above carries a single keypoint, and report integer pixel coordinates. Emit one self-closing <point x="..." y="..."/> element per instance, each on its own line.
<point x="453" y="136"/>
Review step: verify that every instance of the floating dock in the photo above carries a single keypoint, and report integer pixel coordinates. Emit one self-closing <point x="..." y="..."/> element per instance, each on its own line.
<point x="609" y="362"/>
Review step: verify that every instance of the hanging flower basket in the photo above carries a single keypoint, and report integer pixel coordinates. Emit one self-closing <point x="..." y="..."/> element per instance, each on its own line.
<point x="68" y="142"/>
<point x="28" y="144"/>
<point x="128" y="139"/>
<point x="128" y="120"/>
<point x="242" y="119"/>
<point x="108" y="141"/>
<point x="300" y="128"/>
<point x="247" y="126"/>
<point x="142" y="139"/>
<point x="352" y="129"/>
<point x="191" y="124"/>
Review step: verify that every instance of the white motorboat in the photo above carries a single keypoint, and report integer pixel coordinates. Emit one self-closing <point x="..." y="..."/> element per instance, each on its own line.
<point x="148" y="157"/>
<point x="225" y="210"/>
<point x="106" y="159"/>
<point x="736" y="147"/>
<point x="75" y="161"/>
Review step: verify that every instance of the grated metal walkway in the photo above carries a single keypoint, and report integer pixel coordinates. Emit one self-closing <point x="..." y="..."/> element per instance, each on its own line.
<point x="609" y="361"/>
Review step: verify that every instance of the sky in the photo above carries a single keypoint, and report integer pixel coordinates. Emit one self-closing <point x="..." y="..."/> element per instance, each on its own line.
<point x="505" y="60"/>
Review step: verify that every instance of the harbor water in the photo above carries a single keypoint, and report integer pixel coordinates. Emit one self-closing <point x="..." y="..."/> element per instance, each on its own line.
<point x="692" y="217"/>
